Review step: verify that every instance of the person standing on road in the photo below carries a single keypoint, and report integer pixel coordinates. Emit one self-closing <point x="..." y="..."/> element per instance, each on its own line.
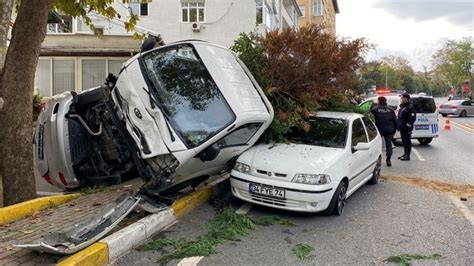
<point x="386" y="122"/>
<point x="406" y="120"/>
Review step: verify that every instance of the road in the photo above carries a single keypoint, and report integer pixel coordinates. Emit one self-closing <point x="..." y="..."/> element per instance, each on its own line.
<point x="449" y="158"/>
<point x="379" y="221"/>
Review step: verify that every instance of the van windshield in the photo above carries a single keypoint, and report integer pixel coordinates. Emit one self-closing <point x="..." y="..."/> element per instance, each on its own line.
<point x="186" y="93"/>
<point x="423" y="105"/>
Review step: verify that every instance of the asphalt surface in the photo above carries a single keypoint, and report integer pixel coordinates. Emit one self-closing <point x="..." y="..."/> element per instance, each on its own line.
<point x="379" y="221"/>
<point x="448" y="158"/>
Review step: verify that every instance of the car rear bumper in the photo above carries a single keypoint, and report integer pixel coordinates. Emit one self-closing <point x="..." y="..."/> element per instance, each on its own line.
<point x="300" y="200"/>
<point x="51" y="143"/>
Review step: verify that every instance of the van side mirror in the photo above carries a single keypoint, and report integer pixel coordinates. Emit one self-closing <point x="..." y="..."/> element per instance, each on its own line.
<point x="361" y="146"/>
<point x="210" y="153"/>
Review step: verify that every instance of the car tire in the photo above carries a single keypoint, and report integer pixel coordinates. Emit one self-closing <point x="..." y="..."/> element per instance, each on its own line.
<point x="396" y="142"/>
<point x="376" y="173"/>
<point x="463" y="113"/>
<point x="444" y="115"/>
<point x="425" y="141"/>
<point x="88" y="97"/>
<point x="338" y="200"/>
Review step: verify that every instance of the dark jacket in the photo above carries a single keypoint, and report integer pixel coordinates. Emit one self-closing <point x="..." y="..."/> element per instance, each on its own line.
<point x="406" y="117"/>
<point x="385" y="119"/>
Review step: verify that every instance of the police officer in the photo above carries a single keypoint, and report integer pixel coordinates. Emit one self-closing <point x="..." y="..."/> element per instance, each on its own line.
<point x="406" y="120"/>
<point x="386" y="122"/>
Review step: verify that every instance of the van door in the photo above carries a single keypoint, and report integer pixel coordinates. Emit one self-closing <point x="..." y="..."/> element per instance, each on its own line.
<point x="426" y="124"/>
<point x="230" y="146"/>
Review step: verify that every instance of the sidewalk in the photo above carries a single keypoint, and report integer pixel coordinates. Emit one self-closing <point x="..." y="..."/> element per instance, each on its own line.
<point x="57" y="219"/>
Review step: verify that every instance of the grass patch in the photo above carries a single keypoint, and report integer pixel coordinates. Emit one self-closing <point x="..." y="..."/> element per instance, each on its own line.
<point x="226" y="225"/>
<point x="406" y="259"/>
<point x="92" y="190"/>
<point x="272" y="219"/>
<point x="302" y="251"/>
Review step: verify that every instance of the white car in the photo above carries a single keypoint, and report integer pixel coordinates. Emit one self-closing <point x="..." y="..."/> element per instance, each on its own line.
<point x="317" y="170"/>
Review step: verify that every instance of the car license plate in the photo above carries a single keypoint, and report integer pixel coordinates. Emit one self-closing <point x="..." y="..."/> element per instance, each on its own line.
<point x="40" y="142"/>
<point x="267" y="191"/>
<point x="422" y="127"/>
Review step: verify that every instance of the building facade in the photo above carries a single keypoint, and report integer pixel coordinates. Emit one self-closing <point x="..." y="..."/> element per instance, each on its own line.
<point x="73" y="58"/>
<point x="319" y="12"/>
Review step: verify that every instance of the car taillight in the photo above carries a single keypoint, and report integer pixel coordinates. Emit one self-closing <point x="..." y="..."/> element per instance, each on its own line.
<point x="454" y="107"/>
<point x="62" y="178"/>
<point x="48" y="178"/>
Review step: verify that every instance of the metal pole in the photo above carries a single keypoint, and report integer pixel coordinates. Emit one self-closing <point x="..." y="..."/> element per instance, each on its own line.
<point x="386" y="69"/>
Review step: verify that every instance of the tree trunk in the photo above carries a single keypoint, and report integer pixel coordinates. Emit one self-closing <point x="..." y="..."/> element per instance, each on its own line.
<point x="16" y="88"/>
<point x="6" y="7"/>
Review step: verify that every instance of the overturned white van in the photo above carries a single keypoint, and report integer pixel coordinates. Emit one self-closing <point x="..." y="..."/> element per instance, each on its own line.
<point x="175" y="115"/>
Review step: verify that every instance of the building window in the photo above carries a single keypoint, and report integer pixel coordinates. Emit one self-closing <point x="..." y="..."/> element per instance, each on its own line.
<point x="63" y="76"/>
<point x="64" y="27"/>
<point x="137" y="8"/>
<point x="318" y="9"/>
<point x="302" y="10"/>
<point x="93" y="73"/>
<point x="259" y="11"/>
<point x="115" y="66"/>
<point x="193" y="10"/>
<point x="43" y="78"/>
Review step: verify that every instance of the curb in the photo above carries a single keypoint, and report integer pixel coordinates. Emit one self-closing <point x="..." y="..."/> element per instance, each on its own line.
<point x="24" y="209"/>
<point x="114" y="246"/>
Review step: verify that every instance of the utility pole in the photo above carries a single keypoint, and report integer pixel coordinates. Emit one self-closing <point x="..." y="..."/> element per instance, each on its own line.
<point x="426" y="77"/>
<point x="386" y="74"/>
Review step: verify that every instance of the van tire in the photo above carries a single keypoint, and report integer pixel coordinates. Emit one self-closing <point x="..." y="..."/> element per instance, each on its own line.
<point x="425" y="141"/>
<point x="396" y="142"/>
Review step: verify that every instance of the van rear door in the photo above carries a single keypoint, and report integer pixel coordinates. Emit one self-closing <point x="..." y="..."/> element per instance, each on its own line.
<point x="426" y="125"/>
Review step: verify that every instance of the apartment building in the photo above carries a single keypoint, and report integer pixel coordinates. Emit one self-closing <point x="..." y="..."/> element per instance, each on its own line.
<point x="73" y="58"/>
<point x="319" y="12"/>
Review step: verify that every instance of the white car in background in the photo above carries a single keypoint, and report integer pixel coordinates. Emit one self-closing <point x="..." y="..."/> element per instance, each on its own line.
<point x="317" y="170"/>
<point x="426" y="124"/>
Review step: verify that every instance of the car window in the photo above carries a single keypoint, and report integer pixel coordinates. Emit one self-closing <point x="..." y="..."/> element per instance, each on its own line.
<point x="371" y="128"/>
<point x="323" y="131"/>
<point x="366" y="106"/>
<point x="423" y="105"/>
<point x="468" y="103"/>
<point x="240" y="136"/>
<point x="187" y="93"/>
<point x="358" y="132"/>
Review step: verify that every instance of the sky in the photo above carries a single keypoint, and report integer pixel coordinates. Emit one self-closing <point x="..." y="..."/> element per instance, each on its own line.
<point x="413" y="29"/>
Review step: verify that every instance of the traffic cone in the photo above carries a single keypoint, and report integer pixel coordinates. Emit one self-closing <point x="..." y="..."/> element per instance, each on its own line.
<point x="447" y="124"/>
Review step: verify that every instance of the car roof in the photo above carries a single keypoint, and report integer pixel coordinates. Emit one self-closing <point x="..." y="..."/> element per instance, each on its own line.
<point x="340" y="115"/>
<point x="456" y="101"/>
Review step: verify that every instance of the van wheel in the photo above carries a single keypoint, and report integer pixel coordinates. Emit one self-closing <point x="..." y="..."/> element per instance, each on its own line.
<point x="425" y="141"/>
<point x="338" y="200"/>
<point x="396" y="142"/>
<point x="463" y="113"/>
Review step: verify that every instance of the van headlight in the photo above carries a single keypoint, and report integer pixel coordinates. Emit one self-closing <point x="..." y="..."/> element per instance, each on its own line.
<point x="241" y="167"/>
<point x="310" y="179"/>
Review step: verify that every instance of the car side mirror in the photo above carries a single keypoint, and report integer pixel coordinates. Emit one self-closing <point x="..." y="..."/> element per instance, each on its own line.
<point x="210" y="153"/>
<point x="361" y="146"/>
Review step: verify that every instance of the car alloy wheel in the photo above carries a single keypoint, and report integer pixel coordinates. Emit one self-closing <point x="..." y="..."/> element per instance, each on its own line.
<point x="341" y="199"/>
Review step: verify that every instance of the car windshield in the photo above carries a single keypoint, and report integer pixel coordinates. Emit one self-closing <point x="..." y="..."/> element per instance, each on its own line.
<point x="323" y="131"/>
<point x="187" y="94"/>
<point x="423" y="105"/>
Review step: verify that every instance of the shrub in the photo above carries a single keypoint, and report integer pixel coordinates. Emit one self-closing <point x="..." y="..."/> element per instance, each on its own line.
<point x="301" y="72"/>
